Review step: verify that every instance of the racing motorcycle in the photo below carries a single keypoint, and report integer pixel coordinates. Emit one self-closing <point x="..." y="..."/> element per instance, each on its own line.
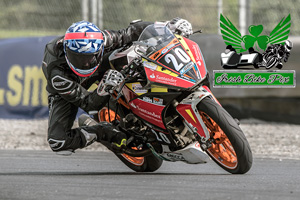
<point x="166" y="108"/>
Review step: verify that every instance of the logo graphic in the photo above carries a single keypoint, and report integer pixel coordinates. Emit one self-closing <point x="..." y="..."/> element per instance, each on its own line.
<point x="254" y="79"/>
<point x="276" y="47"/>
<point x="150" y="65"/>
<point x="152" y="76"/>
<point x="155" y="55"/>
<point x="147" y="99"/>
<point x="267" y="51"/>
<point x="158" y="101"/>
<point x="138" y="88"/>
<point x="233" y="37"/>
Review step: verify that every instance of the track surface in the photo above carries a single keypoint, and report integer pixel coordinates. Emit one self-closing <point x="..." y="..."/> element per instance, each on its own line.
<point x="100" y="175"/>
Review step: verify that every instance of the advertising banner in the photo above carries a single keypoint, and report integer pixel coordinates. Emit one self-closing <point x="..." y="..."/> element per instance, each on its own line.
<point x="22" y="83"/>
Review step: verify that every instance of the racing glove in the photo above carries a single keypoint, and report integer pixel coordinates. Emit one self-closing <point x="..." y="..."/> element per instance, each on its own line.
<point x="110" y="82"/>
<point x="181" y="27"/>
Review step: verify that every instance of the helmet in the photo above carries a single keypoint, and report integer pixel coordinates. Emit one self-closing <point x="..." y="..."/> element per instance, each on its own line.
<point x="288" y="45"/>
<point x="83" y="47"/>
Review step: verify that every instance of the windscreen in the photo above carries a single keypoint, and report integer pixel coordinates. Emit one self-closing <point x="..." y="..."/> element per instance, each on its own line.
<point x="156" y="35"/>
<point x="177" y="61"/>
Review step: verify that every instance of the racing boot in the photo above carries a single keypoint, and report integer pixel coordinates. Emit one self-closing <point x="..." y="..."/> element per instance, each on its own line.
<point x="119" y="141"/>
<point x="105" y="132"/>
<point x="85" y="120"/>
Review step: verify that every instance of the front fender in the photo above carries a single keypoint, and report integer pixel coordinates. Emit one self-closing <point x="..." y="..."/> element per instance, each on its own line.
<point x="187" y="108"/>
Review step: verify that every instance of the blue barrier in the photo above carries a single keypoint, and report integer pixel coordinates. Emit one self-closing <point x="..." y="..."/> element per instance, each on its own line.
<point x="22" y="83"/>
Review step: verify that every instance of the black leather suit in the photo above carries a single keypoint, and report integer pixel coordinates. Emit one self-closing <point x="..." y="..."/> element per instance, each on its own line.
<point x="68" y="92"/>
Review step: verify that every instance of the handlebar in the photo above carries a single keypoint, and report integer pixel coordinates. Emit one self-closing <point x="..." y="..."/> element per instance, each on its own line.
<point x="131" y="67"/>
<point x="128" y="73"/>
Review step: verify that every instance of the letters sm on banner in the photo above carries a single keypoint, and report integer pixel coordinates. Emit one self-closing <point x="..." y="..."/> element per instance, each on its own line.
<point x="22" y="83"/>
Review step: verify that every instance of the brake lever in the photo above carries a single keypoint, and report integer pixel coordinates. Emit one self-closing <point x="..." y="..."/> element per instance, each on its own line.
<point x="198" y="31"/>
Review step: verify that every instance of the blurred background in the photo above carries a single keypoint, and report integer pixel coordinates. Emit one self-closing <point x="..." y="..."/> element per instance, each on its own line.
<point x="27" y="25"/>
<point x="21" y="18"/>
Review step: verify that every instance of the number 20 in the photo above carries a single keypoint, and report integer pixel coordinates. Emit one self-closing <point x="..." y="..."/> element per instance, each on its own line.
<point x="181" y="55"/>
<point x="161" y="137"/>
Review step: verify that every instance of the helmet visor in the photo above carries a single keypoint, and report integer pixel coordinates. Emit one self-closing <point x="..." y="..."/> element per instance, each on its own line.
<point x="83" y="61"/>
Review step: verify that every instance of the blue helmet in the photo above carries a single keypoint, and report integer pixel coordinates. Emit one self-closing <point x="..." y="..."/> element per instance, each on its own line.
<point x="84" y="47"/>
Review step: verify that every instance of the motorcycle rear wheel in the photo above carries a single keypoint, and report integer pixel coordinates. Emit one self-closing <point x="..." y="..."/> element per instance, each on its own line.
<point x="139" y="164"/>
<point x="230" y="148"/>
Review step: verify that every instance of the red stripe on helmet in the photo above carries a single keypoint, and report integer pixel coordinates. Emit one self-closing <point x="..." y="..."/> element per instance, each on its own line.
<point x="85" y="35"/>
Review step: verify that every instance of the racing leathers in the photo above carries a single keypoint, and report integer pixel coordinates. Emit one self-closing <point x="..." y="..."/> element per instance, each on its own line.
<point x="67" y="92"/>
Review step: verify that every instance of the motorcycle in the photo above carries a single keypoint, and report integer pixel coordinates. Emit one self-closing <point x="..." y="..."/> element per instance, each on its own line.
<point x="167" y="110"/>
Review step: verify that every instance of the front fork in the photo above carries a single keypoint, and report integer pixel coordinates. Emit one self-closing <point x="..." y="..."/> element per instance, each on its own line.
<point x="187" y="108"/>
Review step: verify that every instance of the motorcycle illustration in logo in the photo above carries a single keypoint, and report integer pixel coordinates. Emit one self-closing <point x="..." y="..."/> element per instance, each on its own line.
<point x="276" y="46"/>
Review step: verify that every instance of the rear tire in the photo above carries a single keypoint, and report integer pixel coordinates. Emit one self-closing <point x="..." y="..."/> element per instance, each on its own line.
<point x="256" y="66"/>
<point x="139" y="164"/>
<point x="230" y="150"/>
<point x="150" y="163"/>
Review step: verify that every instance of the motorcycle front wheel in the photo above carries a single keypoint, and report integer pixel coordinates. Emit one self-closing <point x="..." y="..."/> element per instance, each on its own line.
<point x="230" y="148"/>
<point x="139" y="164"/>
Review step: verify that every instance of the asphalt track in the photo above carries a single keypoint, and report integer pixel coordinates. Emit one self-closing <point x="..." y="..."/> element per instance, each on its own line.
<point x="100" y="175"/>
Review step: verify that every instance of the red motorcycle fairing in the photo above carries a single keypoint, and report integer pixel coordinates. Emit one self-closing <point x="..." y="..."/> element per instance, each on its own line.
<point x="165" y="79"/>
<point x="187" y="113"/>
<point x="128" y="93"/>
<point x="178" y="64"/>
<point x="149" y="106"/>
<point x="197" y="56"/>
<point x="148" y="111"/>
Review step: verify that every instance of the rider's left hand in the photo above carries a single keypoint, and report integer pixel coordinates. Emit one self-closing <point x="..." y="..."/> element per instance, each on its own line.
<point x="181" y="26"/>
<point x="110" y="82"/>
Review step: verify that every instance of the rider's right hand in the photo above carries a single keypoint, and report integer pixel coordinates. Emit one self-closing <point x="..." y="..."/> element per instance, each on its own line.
<point x="110" y="82"/>
<point x="181" y="27"/>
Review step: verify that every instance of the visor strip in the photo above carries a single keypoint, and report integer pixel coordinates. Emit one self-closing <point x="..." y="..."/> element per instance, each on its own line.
<point x="85" y="35"/>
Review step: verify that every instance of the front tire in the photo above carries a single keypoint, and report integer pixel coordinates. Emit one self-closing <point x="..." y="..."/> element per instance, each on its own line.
<point x="230" y="148"/>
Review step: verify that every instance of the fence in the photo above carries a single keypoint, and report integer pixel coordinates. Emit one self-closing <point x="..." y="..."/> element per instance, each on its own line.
<point x="53" y="17"/>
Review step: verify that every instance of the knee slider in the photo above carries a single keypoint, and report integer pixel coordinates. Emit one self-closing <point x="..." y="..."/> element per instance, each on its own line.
<point x="56" y="145"/>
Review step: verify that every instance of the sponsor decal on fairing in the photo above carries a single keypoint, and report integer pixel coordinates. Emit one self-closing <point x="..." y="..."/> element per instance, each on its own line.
<point x="138" y="88"/>
<point x="160" y="77"/>
<point x="147" y="99"/>
<point x="148" y="111"/>
<point x="150" y="65"/>
<point x="158" y="101"/>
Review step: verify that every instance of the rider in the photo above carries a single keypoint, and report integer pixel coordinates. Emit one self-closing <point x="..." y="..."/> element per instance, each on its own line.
<point x="71" y="64"/>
